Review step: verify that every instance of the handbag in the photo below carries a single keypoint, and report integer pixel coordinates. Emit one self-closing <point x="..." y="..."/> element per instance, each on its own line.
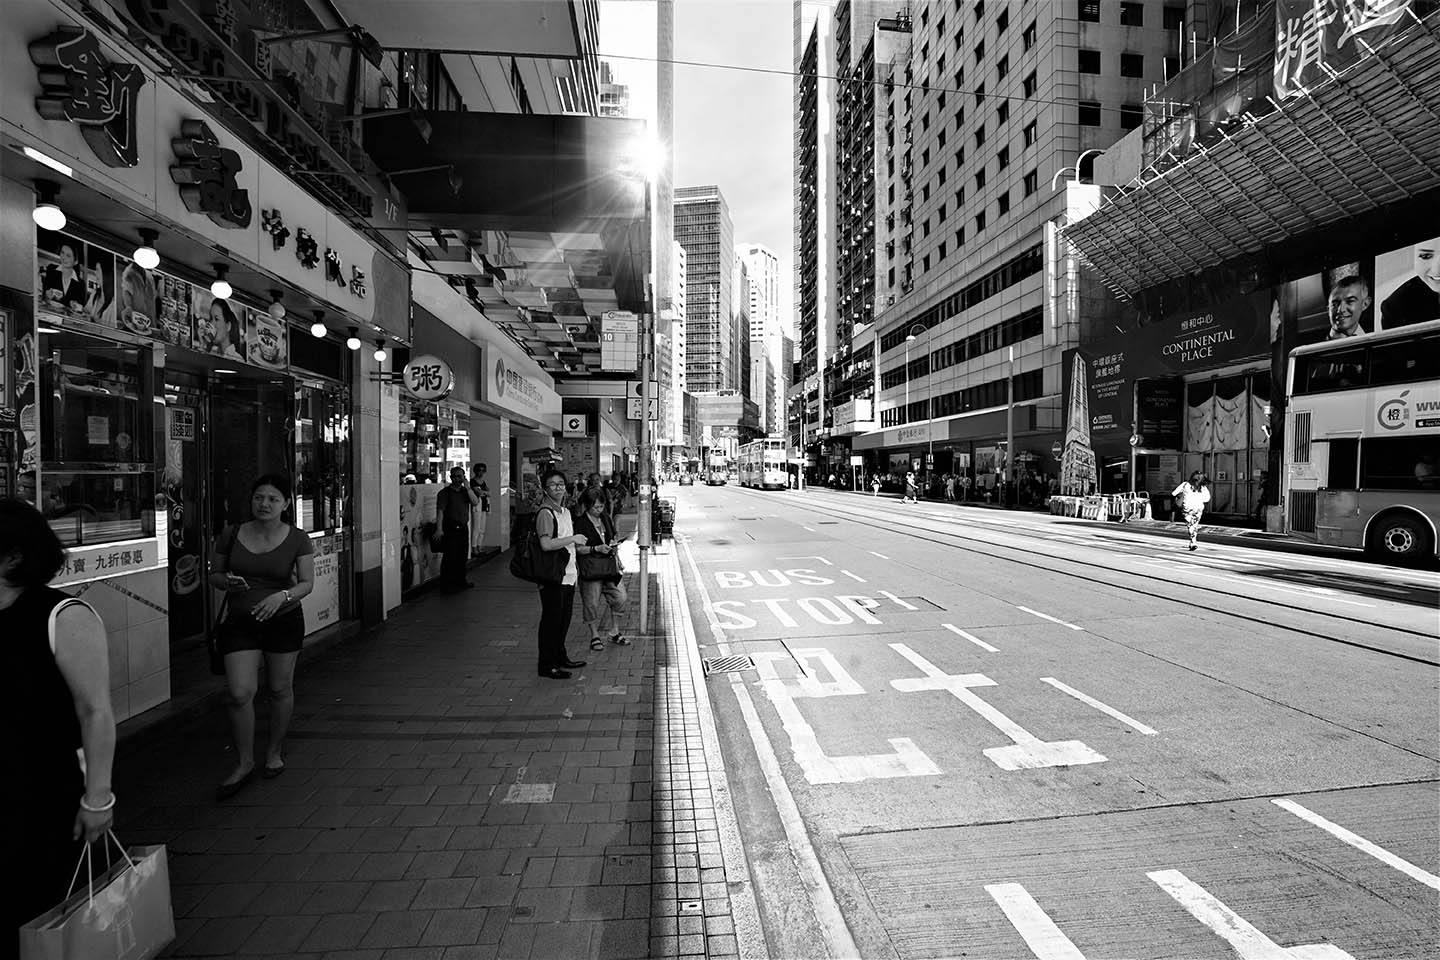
<point x="537" y="565"/>
<point x="212" y="640"/>
<point x="123" y="913"/>
<point x="599" y="566"/>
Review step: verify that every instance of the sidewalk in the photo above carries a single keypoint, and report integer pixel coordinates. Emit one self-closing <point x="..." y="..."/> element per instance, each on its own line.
<point x="442" y="801"/>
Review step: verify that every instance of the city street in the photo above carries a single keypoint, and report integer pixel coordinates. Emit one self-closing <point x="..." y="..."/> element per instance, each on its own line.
<point x="971" y="732"/>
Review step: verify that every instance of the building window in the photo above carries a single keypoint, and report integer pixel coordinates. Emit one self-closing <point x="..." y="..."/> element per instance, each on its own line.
<point x="1089" y="113"/>
<point x="1002" y="112"/>
<point x="1030" y="85"/>
<point x="980" y="9"/>
<point x="1003" y="204"/>
<point x="979" y="136"/>
<point x="941" y="175"/>
<point x="1170" y="66"/>
<point x="1131" y="115"/>
<point x="960" y="197"/>
<point x="980" y="95"/>
<point x="980" y="51"/>
<point x="980" y="222"/>
<point x="925" y="121"/>
<point x="1028" y="37"/>
<point x="980" y="179"/>
<point x="940" y="138"/>
<point x="941" y="250"/>
<point x="1030" y="134"/>
<point x="1173" y="16"/>
<point x="1090" y="11"/>
<point x="1089" y="61"/>
<point x="959" y="117"/>
<point x="1132" y="14"/>
<point x="1002" y="67"/>
<point x="1003" y="157"/>
<point x="1032" y="182"/>
<point x="925" y="264"/>
<point x="1002" y="22"/>
<point x="1132" y="65"/>
<point x="925" y="157"/>
<point x="959" y="159"/>
<point x="959" y="238"/>
<point x="941" y="213"/>
<point x="940" y="100"/>
<point x="925" y="228"/>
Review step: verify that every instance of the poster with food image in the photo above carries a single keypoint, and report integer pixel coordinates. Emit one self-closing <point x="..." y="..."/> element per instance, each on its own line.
<point x="173" y="322"/>
<point x="138" y="299"/>
<point x="219" y="327"/>
<point x="61" y="281"/>
<point x="100" y="292"/>
<point x="265" y="341"/>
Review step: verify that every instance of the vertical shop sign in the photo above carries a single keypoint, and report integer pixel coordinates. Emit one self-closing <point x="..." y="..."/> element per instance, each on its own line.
<point x="80" y="86"/>
<point x="205" y="173"/>
<point x="7" y="402"/>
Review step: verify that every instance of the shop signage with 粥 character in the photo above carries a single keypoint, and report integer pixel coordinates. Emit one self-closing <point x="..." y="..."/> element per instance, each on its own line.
<point x="428" y="378"/>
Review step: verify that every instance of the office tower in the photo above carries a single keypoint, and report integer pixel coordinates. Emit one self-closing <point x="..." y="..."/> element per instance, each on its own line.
<point x="703" y="228"/>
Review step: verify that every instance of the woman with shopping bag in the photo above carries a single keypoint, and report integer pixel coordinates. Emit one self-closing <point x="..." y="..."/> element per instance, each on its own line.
<point x="58" y="661"/>
<point x="1192" y="495"/>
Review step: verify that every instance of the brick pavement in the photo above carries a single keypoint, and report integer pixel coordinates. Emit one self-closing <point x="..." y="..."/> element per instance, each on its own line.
<point x="442" y="801"/>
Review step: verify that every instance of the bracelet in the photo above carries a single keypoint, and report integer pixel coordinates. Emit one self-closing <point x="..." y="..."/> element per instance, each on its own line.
<point x="108" y="805"/>
<point x="287" y="595"/>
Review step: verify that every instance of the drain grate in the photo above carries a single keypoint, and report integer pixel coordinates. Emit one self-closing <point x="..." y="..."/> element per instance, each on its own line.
<point x="716" y="665"/>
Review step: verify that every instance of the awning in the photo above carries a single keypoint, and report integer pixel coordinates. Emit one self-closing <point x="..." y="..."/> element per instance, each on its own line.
<point x="1361" y="145"/>
<point x="523" y="28"/>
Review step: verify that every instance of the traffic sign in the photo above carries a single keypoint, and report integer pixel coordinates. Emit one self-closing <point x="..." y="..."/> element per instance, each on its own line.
<point x="632" y="408"/>
<point x="1055" y="450"/>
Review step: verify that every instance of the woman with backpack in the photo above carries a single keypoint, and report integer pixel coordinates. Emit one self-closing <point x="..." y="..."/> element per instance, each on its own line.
<point x="1192" y="495"/>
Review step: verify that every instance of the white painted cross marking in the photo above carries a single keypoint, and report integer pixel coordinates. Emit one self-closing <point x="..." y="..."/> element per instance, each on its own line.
<point x="1123" y="718"/>
<point x="973" y="639"/>
<point x="1243" y="937"/>
<point x="907" y="760"/>
<point x="853" y="577"/>
<point x="907" y="606"/>
<point x="880" y="555"/>
<point x="1027" y="752"/>
<point x="1360" y="843"/>
<point x="1046" y="616"/>
<point x="1032" y="923"/>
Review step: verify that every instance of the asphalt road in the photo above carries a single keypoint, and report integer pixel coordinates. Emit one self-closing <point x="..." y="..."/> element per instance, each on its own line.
<point x="974" y="733"/>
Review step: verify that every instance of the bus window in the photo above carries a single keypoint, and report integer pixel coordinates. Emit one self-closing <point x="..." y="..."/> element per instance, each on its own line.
<point x="1331" y="371"/>
<point x="1401" y="463"/>
<point x="1344" y="457"/>
<point x="1405" y="361"/>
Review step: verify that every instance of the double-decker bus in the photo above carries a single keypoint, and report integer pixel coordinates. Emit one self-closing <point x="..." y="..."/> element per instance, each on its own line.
<point x="1362" y="447"/>
<point x="762" y="464"/>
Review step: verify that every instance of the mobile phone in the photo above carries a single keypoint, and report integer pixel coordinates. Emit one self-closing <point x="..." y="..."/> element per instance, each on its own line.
<point x="619" y="540"/>
<point x="236" y="579"/>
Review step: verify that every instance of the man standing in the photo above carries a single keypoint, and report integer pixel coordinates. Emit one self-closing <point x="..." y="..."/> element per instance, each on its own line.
<point x="452" y="512"/>
<point x="481" y="489"/>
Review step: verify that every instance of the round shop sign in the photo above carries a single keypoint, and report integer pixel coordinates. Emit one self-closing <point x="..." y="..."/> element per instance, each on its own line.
<point x="429" y="378"/>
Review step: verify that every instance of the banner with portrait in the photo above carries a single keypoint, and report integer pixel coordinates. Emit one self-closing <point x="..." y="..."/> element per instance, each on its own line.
<point x="219" y="325"/>
<point x="75" y="281"/>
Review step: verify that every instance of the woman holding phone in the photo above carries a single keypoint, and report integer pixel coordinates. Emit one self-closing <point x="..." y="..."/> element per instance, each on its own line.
<point x="265" y="566"/>
<point x="602" y="591"/>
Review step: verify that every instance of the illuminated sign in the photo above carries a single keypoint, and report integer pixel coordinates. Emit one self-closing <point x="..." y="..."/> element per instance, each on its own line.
<point x="79" y="85"/>
<point x="429" y="378"/>
<point x="205" y="173"/>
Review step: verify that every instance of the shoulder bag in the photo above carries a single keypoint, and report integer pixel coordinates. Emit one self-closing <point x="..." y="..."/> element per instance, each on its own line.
<point x="531" y="562"/>
<point x="599" y="566"/>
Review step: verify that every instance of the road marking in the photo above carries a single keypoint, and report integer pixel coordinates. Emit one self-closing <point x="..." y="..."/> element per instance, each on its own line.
<point x="1032" y="923"/>
<point x="1028" y="751"/>
<point x="907" y="606"/>
<point x="1243" y="938"/>
<point x="853" y="577"/>
<point x="1360" y="843"/>
<point x="803" y="527"/>
<point x="1123" y="718"/>
<point x="810" y="557"/>
<point x="1046" y="616"/>
<point x="880" y="555"/>
<point x="973" y="639"/>
<point x="1197" y="570"/>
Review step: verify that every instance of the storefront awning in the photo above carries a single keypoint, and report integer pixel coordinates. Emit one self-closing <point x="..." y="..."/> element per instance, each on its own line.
<point x="1362" y="144"/>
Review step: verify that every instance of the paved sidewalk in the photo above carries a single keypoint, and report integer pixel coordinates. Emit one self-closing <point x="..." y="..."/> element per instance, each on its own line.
<point x="442" y="801"/>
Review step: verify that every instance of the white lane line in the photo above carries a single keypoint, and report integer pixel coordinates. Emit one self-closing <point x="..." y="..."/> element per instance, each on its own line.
<point x="808" y="556"/>
<point x="1360" y="843"/>
<point x="973" y="639"/>
<point x="1103" y="708"/>
<point x="1032" y="923"/>
<point x="1244" y="938"/>
<point x="907" y="606"/>
<point x="812" y="876"/>
<point x="880" y="555"/>
<point x="803" y="527"/>
<point x="1046" y="616"/>
<point x="853" y="577"/>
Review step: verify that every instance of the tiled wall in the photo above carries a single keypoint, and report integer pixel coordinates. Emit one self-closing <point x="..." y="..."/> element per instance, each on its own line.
<point x="132" y="608"/>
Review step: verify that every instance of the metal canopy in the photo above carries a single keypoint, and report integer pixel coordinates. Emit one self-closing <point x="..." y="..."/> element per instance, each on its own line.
<point x="1361" y="144"/>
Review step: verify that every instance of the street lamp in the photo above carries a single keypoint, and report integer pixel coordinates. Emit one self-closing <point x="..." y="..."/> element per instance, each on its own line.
<point x="1078" y="160"/>
<point x="915" y="330"/>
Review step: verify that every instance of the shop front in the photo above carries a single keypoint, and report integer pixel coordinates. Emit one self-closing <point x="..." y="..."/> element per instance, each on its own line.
<point x="523" y="437"/>
<point x="157" y="366"/>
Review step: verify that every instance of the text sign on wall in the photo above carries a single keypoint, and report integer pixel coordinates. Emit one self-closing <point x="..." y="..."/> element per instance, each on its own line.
<point x="108" y="560"/>
<point x="429" y="378"/>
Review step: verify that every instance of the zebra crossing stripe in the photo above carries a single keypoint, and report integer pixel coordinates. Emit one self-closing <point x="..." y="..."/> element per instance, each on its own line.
<point x="1032" y="923"/>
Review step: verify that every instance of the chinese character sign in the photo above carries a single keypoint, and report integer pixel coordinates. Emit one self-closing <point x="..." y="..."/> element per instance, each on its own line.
<point x="79" y="85"/>
<point x="1314" y="38"/>
<point x="205" y="173"/>
<point x="429" y="378"/>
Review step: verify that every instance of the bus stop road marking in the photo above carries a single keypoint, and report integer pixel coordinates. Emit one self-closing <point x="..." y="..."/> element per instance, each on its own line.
<point x="973" y="639"/>
<point x="1360" y="843"/>
<point x="1103" y="708"/>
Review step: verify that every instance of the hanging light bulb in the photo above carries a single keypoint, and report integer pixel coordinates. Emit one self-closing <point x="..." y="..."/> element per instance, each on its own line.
<point x="380" y="352"/>
<point x="276" y="308"/>
<point x="146" y="257"/>
<point x="221" y="288"/>
<point x="317" y="329"/>
<point x="353" y="341"/>
<point x="47" y="215"/>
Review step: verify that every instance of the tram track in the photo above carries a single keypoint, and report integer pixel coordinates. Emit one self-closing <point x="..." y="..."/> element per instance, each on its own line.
<point x="1029" y="557"/>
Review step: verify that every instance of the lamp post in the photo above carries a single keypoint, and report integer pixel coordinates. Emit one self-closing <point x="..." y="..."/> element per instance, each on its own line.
<point x="1078" y="160"/>
<point x="915" y="330"/>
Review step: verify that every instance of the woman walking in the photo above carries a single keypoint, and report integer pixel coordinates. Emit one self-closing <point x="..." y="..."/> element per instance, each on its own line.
<point x="58" y="662"/>
<point x="602" y="592"/>
<point x="1192" y="495"/>
<point x="554" y="527"/>
<point x="912" y="490"/>
<point x="266" y="566"/>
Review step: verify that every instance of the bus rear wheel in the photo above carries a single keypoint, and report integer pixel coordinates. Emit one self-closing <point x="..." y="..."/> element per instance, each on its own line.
<point x="1400" y="538"/>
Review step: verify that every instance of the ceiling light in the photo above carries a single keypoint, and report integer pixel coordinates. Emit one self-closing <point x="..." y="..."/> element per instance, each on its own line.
<point x="318" y="329"/>
<point x="353" y="341"/>
<point x="223" y="370"/>
<point x="146" y="257"/>
<point x="47" y="215"/>
<point x="276" y="308"/>
<point x="50" y="162"/>
<point x="221" y="288"/>
<point x="380" y="353"/>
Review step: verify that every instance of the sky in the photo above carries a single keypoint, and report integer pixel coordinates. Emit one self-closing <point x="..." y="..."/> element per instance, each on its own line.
<point x="732" y="128"/>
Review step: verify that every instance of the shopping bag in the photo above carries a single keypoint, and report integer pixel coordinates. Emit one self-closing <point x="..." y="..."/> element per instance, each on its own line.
<point x="122" y="913"/>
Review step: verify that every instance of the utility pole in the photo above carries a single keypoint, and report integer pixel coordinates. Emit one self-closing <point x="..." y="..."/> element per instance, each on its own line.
<point x="647" y="477"/>
<point x="1010" y="429"/>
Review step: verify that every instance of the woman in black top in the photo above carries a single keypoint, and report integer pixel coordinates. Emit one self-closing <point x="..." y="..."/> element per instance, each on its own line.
<point x="602" y="597"/>
<point x="58" y="701"/>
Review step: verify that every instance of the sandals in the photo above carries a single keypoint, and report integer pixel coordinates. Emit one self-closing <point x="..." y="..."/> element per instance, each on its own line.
<point x="619" y="641"/>
<point x="597" y="644"/>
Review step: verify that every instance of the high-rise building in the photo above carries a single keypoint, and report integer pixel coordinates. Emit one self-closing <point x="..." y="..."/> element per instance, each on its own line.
<point x="763" y="269"/>
<point x="703" y="228"/>
<point x="614" y="97"/>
